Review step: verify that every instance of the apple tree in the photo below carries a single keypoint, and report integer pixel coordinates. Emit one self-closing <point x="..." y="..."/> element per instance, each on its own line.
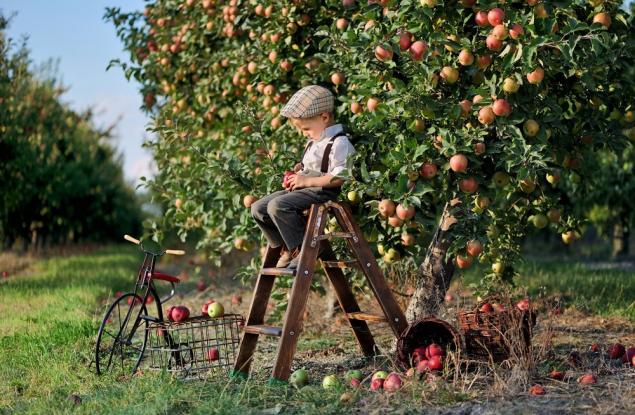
<point x="478" y="112"/>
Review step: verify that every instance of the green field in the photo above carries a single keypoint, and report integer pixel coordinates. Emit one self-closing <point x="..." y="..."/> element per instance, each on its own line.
<point x="50" y="316"/>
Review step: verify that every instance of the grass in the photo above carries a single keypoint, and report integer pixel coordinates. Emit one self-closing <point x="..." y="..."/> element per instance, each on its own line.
<point x="50" y="316"/>
<point x="605" y="292"/>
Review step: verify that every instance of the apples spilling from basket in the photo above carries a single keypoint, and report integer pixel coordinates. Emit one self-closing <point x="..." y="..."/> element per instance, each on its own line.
<point x="428" y="358"/>
<point x="522" y="305"/>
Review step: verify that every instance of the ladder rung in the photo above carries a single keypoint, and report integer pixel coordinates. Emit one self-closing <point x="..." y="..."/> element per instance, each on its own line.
<point x="277" y="271"/>
<point x="360" y="315"/>
<point x="353" y="263"/>
<point x="263" y="329"/>
<point x="331" y="235"/>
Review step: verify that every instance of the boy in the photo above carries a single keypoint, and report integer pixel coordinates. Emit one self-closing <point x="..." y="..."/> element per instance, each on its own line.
<point x="326" y="164"/>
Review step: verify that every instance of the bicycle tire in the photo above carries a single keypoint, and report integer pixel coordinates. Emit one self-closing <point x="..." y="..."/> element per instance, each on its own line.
<point x="128" y="344"/>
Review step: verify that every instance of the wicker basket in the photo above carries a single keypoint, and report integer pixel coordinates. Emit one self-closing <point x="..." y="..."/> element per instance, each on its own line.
<point x="490" y="335"/>
<point x="422" y="332"/>
<point x="184" y="348"/>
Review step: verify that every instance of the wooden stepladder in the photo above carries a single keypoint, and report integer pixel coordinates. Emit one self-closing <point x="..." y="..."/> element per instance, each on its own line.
<point x="314" y="236"/>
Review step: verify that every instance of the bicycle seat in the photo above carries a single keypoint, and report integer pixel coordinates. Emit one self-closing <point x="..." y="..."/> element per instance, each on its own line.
<point x="165" y="277"/>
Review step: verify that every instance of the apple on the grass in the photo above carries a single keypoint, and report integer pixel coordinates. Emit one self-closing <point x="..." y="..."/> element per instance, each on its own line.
<point x="299" y="378"/>
<point x="556" y="375"/>
<point x="355" y="383"/>
<point x="523" y="305"/>
<point x="629" y="356"/>
<point x="354" y="374"/>
<point x="393" y="382"/>
<point x="537" y="390"/>
<point x="587" y="379"/>
<point x="212" y="354"/>
<point x="616" y="351"/>
<point x="376" y="384"/>
<point x="330" y="382"/>
<point x="237" y="299"/>
<point x="215" y="310"/>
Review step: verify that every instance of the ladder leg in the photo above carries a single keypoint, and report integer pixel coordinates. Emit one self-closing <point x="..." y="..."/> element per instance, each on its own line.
<point x="299" y="294"/>
<point x="374" y="274"/>
<point x="348" y="303"/>
<point x="257" y="309"/>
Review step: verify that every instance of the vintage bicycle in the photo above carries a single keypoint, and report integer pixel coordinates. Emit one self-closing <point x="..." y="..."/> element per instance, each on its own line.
<point x="130" y="334"/>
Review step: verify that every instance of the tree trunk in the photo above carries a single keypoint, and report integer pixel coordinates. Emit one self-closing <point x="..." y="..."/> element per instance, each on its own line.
<point x="621" y="235"/>
<point x="434" y="275"/>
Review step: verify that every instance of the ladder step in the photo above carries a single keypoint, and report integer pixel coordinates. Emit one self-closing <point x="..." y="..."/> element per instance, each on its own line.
<point x="332" y="235"/>
<point x="360" y="315"/>
<point x="263" y="329"/>
<point x="353" y="263"/>
<point x="277" y="271"/>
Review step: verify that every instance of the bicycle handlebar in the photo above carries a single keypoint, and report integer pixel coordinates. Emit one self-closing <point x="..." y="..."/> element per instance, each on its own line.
<point x="167" y="251"/>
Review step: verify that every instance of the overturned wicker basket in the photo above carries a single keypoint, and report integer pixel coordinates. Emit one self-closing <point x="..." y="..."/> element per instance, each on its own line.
<point x="492" y="335"/>
<point x="426" y="331"/>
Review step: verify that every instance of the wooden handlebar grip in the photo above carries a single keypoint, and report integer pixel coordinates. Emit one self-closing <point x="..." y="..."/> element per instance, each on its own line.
<point x="174" y="252"/>
<point x="131" y="239"/>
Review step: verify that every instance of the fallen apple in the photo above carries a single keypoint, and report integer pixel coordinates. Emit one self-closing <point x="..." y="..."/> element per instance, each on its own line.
<point x="393" y="382"/>
<point x="523" y="305"/>
<point x="537" y="390"/>
<point x="355" y="383"/>
<point x="380" y="374"/>
<point x="616" y="351"/>
<point x="354" y="374"/>
<point x="200" y="286"/>
<point x="497" y="307"/>
<point x="330" y="382"/>
<point x="629" y="356"/>
<point x="299" y="378"/>
<point x="556" y="375"/>
<point x="587" y="379"/>
<point x="376" y="384"/>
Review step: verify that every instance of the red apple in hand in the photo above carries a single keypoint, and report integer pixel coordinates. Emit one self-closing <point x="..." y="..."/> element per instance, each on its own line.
<point x="285" y="179"/>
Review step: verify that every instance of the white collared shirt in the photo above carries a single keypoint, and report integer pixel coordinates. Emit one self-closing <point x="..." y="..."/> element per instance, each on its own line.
<point x="340" y="160"/>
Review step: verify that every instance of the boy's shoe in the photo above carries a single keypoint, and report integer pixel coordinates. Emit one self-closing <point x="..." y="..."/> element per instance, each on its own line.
<point x="296" y="259"/>
<point x="284" y="260"/>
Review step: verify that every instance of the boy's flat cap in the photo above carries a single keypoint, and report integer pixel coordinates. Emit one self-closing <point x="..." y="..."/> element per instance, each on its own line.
<point x="308" y="102"/>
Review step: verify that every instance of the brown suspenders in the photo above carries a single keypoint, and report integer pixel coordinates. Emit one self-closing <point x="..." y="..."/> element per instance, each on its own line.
<point x="327" y="152"/>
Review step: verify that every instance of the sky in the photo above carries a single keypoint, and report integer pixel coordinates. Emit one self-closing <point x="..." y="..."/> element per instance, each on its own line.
<point x="75" y="32"/>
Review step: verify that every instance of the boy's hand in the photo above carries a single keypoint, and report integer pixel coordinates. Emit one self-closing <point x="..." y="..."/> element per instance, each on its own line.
<point x="298" y="181"/>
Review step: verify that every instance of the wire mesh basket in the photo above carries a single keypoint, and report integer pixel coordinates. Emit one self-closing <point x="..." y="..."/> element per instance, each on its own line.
<point x="194" y="347"/>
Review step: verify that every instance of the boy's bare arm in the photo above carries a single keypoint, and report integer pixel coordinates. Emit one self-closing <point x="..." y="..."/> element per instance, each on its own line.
<point x="299" y="181"/>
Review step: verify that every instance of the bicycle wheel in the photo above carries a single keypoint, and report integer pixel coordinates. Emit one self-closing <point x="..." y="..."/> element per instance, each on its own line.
<point x="122" y="336"/>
